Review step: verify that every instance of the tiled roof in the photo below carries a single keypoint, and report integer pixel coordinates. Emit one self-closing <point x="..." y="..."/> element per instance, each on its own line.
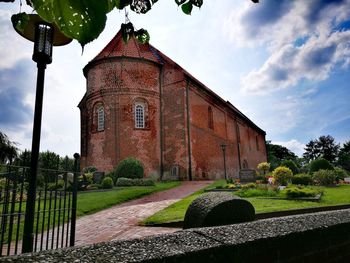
<point x="117" y="48"/>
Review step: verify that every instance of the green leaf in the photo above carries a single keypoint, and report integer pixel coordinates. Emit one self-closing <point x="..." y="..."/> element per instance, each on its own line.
<point x="111" y="5"/>
<point x="20" y="21"/>
<point x="187" y="8"/>
<point x="82" y="20"/>
<point x="142" y="36"/>
<point x="44" y="8"/>
<point x="141" y="6"/>
<point x="197" y="3"/>
<point x="180" y="2"/>
<point x="120" y="4"/>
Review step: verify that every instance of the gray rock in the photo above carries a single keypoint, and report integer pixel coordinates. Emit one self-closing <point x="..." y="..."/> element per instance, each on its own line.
<point x="218" y="208"/>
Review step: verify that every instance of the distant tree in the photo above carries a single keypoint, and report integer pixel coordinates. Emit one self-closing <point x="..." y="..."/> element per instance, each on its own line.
<point x="49" y="160"/>
<point x="8" y="149"/>
<point x="344" y="156"/>
<point x="328" y="148"/>
<point x="277" y="154"/>
<point x="312" y="151"/>
<point x="324" y="146"/>
<point x="66" y="164"/>
<point x="23" y="158"/>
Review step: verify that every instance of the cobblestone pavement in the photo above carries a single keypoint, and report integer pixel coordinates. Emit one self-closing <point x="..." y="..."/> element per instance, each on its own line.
<point x="120" y="222"/>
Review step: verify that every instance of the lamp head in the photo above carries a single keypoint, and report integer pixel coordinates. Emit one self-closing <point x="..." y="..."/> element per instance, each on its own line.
<point x="44" y="35"/>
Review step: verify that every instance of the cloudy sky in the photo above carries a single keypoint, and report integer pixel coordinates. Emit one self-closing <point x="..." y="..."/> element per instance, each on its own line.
<point x="284" y="64"/>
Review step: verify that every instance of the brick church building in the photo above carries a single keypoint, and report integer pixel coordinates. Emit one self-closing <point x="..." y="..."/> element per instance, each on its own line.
<point x="139" y="103"/>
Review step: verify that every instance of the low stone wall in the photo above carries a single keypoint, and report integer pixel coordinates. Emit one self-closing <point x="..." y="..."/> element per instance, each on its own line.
<point x="317" y="237"/>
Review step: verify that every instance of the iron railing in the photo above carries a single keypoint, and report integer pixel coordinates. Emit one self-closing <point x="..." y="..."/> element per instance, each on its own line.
<point x="55" y="209"/>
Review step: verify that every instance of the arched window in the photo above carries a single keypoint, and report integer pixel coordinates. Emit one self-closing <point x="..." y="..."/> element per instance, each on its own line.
<point x="100" y="118"/>
<point x="210" y="118"/>
<point x="139" y="115"/>
<point x="257" y="143"/>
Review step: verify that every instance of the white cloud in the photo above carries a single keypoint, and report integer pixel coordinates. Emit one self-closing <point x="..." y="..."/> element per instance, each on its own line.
<point x="301" y="36"/>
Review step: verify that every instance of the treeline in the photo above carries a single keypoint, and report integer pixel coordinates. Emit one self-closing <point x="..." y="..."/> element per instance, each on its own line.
<point x="10" y="154"/>
<point x="324" y="147"/>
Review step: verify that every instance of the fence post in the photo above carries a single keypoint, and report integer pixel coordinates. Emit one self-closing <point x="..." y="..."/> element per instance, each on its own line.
<point x="74" y="198"/>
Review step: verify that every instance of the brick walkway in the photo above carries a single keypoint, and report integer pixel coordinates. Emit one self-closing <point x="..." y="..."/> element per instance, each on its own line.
<point x="120" y="222"/>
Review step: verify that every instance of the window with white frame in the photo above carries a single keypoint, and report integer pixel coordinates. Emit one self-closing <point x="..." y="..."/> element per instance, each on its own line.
<point x="139" y="115"/>
<point x="100" y="118"/>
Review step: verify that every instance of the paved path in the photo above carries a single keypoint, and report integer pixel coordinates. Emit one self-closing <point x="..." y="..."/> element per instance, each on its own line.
<point x="120" y="222"/>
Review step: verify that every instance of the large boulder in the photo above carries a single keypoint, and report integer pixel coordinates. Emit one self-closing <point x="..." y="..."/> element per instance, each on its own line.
<point x="218" y="208"/>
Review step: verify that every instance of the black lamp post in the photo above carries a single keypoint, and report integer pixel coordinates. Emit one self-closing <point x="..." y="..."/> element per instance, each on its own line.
<point x="44" y="35"/>
<point x="223" y="148"/>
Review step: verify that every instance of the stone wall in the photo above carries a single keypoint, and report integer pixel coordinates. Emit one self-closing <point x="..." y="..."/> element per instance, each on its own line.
<point x="319" y="237"/>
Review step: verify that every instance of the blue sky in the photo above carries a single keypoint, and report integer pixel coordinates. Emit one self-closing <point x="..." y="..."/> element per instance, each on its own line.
<point x="285" y="64"/>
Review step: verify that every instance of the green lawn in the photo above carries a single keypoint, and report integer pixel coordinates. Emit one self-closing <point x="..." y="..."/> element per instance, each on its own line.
<point x="332" y="196"/>
<point x="92" y="202"/>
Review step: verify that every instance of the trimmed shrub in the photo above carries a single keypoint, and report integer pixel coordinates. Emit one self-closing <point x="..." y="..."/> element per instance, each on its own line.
<point x="134" y="182"/>
<point x="264" y="167"/>
<point x="248" y="186"/>
<point x="295" y="192"/>
<point x="324" y="177"/>
<point x="320" y="164"/>
<point x="302" y="179"/>
<point x="54" y="186"/>
<point x="107" y="183"/>
<point x="340" y="174"/>
<point x="282" y="175"/>
<point x="129" y="168"/>
<point x="291" y="165"/>
<point x="93" y="187"/>
<point x="257" y="192"/>
<point x="263" y="179"/>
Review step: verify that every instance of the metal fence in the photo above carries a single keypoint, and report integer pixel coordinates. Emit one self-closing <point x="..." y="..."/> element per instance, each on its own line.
<point x="55" y="209"/>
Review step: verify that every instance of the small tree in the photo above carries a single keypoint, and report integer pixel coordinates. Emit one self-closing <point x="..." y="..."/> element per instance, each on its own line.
<point x="264" y="167"/>
<point x="282" y="175"/>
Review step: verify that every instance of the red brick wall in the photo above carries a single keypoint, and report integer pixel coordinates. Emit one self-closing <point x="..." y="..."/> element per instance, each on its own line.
<point x="117" y="85"/>
<point x="207" y="155"/>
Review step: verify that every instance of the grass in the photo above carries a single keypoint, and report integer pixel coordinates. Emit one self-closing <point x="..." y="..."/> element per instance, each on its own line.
<point x="93" y="202"/>
<point x="331" y="196"/>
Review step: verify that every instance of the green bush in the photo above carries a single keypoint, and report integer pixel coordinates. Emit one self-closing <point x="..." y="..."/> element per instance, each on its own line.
<point x="324" y="177"/>
<point x="129" y="168"/>
<point x="134" y="182"/>
<point x="54" y="186"/>
<point x="263" y="179"/>
<point x="282" y="175"/>
<point x="248" y="186"/>
<point x="295" y="192"/>
<point x="291" y="165"/>
<point x="256" y="192"/>
<point x="302" y="179"/>
<point x="340" y="174"/>
<point x="107" y="183"/>
<point x="320" y="164"/>
<point x="89" y="169"/>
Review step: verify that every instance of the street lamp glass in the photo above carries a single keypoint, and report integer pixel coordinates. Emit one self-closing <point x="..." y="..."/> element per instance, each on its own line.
<point x="43" y="43"/>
